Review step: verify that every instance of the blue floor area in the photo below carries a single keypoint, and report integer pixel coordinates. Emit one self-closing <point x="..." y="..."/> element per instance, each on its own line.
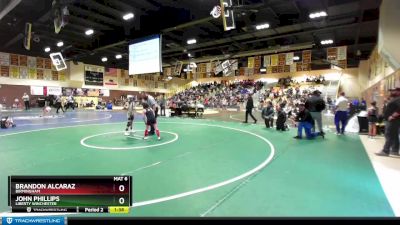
<point x="34" y="119"/>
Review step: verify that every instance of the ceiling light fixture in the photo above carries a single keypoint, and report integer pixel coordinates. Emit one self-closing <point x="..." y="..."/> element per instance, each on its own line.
<point x="318" y="15"/>
<point x="60" y="44"/>
<point x="262" y="26"/>
<point x="327" y="42"/>
<point x="191" y="41"/>
<point x="119" y="56"/>
<point x="128" y="16"/>
<point x="190" y="55"/>
<point x="263" y="70"/>
<point x="295" y="58"/>
<point x="104" y="59"/>
<point x="47" y="49"/>
<point x="89" y="32"/>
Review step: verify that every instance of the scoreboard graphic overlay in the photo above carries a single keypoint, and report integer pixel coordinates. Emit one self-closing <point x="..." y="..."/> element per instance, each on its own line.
<point x="70" y="194"/>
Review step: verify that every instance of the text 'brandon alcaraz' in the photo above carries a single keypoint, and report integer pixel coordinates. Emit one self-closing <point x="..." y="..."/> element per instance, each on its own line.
<point x="35" y="188"/>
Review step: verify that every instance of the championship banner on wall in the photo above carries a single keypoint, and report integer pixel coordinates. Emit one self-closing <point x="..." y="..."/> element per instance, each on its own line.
<point x="39" y="63"/>
<point x="299" y="66"/>
<point x="289" y="58"/>
<point x="23" y="60"/>
<point x="111" y="77"/>
<point x="331" y="54"/>
<point x="40" y="74"/>
<point x="47" y="75"/>
<point x="281" y="59"/>
<point x="201" y="68"/>
<point x="257" y="62"/>
<point x="47" y="64"/>
<point x="5" y="71"/>
<point x="286" y="69"/>
<point x="61" y="75"/>
<point x="274" y="60"/>
<point x="124" y="74"/>
<point x="306" y="56"/>
<point x="269" y="69"/>
<point x="293" y="68"/>
<point x="306" y="67"/>
<point x="14" y="60"/>
<point x="338" y="56"/>
<point x="342" y="53"/>
<point x="167" y="71"/>
<point x="14" y="72"/>
<point x="250" y="71"/>
<point x="32" y="73"/>
<point x="23" y="73"/>
<point x="32" y="62"/>
<point x="267" y="61"/>
<point x="4" y="59"/>
<point x="208" y="68"/>
<point x="54" y="75"/>
<point x="250" y="62"/>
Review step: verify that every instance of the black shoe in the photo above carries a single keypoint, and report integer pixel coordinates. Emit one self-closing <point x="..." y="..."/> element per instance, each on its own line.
<point x="381" y="153"/>
<point x="395" y="153"/>
<point x="255" y="121"/>
<point x="244" y="121"/>
<point x="297" y="137"/>
<point x="322" y="135"/>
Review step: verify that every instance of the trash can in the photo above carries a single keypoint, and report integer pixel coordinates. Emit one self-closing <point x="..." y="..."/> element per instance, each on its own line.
<point x="363" y="123"/>
<point x="41" y="102"/>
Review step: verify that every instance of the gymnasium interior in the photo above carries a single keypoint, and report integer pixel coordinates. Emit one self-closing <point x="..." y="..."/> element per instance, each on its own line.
<point x="205" y="71"/>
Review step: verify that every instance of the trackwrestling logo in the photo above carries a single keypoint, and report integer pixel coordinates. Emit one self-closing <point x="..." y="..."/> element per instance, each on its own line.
<point x="33" y="220"/>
